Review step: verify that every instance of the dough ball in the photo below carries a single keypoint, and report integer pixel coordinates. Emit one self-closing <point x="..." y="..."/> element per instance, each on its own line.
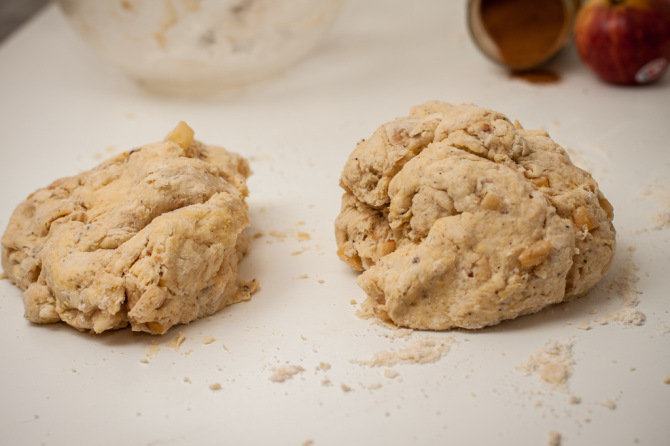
<point x="460" y="218"/>
<point x="150" y="238"/>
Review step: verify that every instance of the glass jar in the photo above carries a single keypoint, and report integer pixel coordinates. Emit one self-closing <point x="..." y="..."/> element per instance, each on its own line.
<point x="521" y="34"/>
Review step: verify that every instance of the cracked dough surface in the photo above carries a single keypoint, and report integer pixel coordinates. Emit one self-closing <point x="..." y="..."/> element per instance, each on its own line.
<point x="460" y="218"/>
<point x="150" y="238"/>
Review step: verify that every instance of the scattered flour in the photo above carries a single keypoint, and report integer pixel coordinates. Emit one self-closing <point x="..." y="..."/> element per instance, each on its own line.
<point x="661" y="197"/>
<point x="285" y="372"/>
<point x="624" y="284"/>
<point x="423" y="351"/>
<point x="552" y="364"/>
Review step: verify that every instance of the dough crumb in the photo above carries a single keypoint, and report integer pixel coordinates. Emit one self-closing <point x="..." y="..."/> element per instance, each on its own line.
<point x="552" y="364"/>
<point x="345" y="388"/>
<point x="153" y="350"/>
<point x="308" y="443"/>
<point x="176" y="342"/>
<point x="574" y="399"/>
<point x="215" y="386"/>
<point x="279" y="235"/>
<point x="584" y="325"/>
<point x="609" y="404"/>
<point x="423" y="351"/>
<point x="666" y="380"/>
<point x="323" y="366"/>
<point x="390" y="373"/>
<point x="284" y="373"/>
<point x="554" y="438"/>
<point x="208" y="339"/>
<point x="303" y="236"/>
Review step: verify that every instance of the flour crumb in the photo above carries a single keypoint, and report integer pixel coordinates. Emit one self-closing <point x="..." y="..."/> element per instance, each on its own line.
<point x="666" y="380"/>
<point x="609" y="404"/>
<point x="208" y="340"/>
<point x="554" y="438"/>
<point x="177" y="342"/>
<point x="304" y="276"/>
<point x="345" y="388"/>
<point x="574" y="399"/>
<point x="215" y="386"/>
<point x="284" y="373"/>
<point x="326" y="382"/>
<point x="552" y="364"/>
<point x="308" y="443"/>
<point x="187" y="379"/>
<point x="423" y="351"/>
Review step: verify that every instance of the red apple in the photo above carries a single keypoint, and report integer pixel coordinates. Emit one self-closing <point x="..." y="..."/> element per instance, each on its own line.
<point x="625" y="41"/>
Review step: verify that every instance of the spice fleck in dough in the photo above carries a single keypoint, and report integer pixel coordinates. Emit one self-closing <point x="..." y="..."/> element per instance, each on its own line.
<point x="150" y="238"/>
<point x="460" y="218"/>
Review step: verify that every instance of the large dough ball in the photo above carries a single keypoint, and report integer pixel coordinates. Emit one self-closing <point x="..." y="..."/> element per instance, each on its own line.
<point x="460" y="218"/>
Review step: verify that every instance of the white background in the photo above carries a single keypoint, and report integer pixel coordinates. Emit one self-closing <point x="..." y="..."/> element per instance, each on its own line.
<point x="62" y="111"/>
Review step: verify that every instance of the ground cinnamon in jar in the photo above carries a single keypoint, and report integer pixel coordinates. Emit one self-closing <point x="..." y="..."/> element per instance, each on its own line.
<point x="521" y="34"/>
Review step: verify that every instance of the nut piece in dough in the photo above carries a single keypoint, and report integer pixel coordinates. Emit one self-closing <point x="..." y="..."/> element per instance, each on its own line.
<point x="150" y="238"/>
<point x="460" y="218"/>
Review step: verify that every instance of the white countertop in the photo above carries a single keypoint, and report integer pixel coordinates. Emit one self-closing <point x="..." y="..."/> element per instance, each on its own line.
<point x="62" y="111"/>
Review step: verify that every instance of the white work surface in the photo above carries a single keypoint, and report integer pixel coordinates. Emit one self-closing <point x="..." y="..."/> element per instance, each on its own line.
<point x="62" y="110"/>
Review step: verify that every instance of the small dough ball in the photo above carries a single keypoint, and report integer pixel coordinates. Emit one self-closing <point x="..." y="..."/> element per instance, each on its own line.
<point x="460" y="218"/>
<point x="150" y="238"/>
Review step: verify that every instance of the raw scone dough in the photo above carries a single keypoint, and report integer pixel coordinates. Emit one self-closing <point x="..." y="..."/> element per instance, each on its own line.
<point x="150" y="238"/>
<point x="460" y="218"/>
